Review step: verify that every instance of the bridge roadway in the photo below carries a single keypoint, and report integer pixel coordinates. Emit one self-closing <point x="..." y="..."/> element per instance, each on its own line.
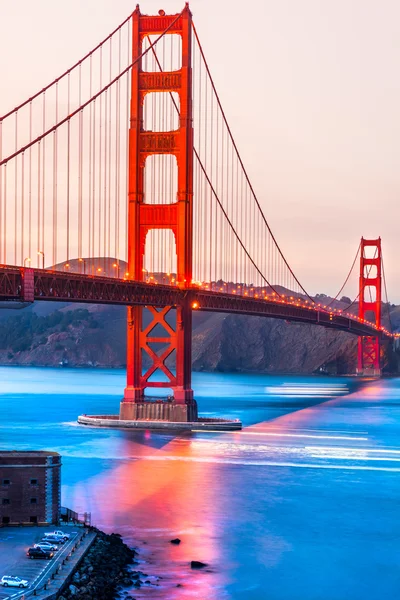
<point x="29" y="285"/>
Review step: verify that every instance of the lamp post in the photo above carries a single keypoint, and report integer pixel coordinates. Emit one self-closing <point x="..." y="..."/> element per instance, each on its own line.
<point x="27" y="259"/>
<point x="116" y="266"/>
<point x="41" y="253"/>
<point x="147" y="274"/>
<point x="82" y="260"/>
<point x="66" y="266"/>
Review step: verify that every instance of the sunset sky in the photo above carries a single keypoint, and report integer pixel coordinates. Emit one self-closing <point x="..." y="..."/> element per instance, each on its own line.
<point x="311" y="89"/>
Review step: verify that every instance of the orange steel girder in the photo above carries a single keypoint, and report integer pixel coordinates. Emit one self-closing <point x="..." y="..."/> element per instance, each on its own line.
<point x="177" y="216"/>
<point x="369" y="346"/>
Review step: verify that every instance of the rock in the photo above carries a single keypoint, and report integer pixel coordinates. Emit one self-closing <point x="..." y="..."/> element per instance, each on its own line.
<point x="197" y="564"/>
<point x="73" y="589"/>
<point x="175" y="541"/>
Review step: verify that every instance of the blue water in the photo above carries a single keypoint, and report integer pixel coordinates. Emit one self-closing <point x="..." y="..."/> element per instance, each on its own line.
<point x="302" y="504"/>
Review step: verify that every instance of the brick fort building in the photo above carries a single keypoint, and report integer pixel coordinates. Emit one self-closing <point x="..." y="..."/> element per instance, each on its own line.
<point x="30" y="487"/>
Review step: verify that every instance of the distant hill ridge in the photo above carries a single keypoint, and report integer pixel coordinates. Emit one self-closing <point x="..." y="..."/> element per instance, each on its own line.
<point x="50" y="334"/>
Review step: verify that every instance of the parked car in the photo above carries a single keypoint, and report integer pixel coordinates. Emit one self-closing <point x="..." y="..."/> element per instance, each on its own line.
<point x="46" y="546"/>
<point x="39" y="553"/>
<point x="53" y="539"/>
<point x="8" y="581"/>
<point x="58" y="533"/>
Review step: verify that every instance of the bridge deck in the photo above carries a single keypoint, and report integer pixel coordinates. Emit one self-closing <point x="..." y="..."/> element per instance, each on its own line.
<point x="28" y="285"/>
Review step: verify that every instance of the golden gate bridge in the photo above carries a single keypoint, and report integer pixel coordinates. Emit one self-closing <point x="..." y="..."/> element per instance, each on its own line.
<point x="127" y="159"/>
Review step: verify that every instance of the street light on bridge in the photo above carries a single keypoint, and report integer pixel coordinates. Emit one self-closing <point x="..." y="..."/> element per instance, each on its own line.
<point x="116" y="266"/>
<point x="41" y="253"/>
<point x="82" y="260"/>
<point x="27" y="259"/>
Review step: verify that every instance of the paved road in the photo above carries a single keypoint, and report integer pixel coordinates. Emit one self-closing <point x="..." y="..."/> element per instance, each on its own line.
<point x="14" y="543"/>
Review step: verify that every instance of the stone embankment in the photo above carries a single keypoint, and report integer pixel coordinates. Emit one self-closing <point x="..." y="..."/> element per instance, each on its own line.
<point x="103" y="571"/>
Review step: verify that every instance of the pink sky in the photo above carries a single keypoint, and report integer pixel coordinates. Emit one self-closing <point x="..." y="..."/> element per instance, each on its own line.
<point x="311" y="90"/>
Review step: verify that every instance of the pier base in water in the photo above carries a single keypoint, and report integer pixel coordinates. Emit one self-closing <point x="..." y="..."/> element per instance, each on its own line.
<point x="160" y="414"/>
<point x="158" y="411"/>
<point x="202" y="424"/>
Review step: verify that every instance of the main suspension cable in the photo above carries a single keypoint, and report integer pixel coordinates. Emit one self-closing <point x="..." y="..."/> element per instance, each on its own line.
<point x="92" y="99"/>
<point x="244" y="170"/>
<point x="347" y="278"/>
<point x="67" y="72"/>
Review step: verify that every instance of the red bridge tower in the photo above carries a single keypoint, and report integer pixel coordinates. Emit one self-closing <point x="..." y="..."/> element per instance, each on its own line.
<point x="370" y="307"/>
<point x="142" y="339"/>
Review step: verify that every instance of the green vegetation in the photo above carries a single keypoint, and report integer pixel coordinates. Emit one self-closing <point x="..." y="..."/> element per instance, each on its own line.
<point x="18" y="333"/>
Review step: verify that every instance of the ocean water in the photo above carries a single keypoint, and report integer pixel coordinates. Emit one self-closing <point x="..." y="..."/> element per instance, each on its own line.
<point x="302" y="504"/>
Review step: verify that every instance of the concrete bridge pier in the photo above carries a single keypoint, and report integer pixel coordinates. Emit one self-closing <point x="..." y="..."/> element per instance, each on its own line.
<point x="159" y="410"/>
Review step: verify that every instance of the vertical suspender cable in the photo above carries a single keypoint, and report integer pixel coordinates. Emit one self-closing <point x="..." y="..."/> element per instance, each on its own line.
<point x="68" y="161"/>
<point x="109" y="163"/>
<point x="117" y="154"/>
<point x="105" y="211"/>
<point x="127" y="123"/>
<point x="80" y="169"/>
<point x="211" y="194"/>
<point x="39" y="204"/>
<point x="1" y="190"/>
<point x="100" y="154"/>
<point x="5" y="216"/>
<point x="93" y="183"/>
<point x="55" y="166"/>
<point x="16" y="192"/>
<point x="43" y="238"/>
<point x="23" y="206"/>
<point x="30" y="184"/>
<point x="90" y="168"/>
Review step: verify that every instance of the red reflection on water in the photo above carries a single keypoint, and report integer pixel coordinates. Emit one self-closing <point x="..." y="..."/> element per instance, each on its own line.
<point x="155" y="494"/>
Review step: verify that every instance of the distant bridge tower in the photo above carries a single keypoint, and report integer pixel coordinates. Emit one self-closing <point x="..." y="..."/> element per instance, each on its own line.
<point x="370" y="303"/>
<point x="147" y="339"/>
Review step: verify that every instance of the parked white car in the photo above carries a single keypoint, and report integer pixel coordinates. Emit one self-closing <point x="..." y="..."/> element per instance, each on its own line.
<point x="46" y="546"/>
<point x="8" y="581"/>
<point x="58" y="533"/>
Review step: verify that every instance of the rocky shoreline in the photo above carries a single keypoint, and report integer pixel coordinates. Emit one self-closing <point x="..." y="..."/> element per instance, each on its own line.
<point x="104" y="571"/>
